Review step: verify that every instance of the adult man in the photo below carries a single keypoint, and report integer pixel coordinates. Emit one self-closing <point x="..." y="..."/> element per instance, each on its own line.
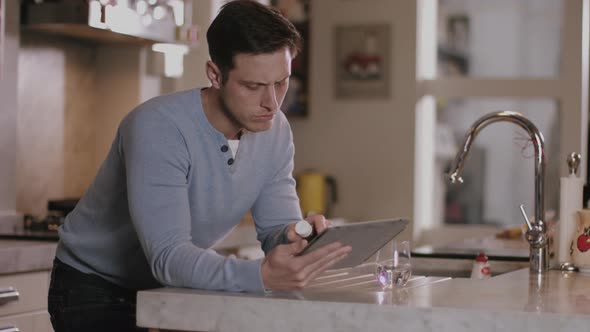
<point x="182" y="171"/>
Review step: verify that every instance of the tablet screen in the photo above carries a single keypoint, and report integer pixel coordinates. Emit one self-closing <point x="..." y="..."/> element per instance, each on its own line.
<point x="365" y="238"/>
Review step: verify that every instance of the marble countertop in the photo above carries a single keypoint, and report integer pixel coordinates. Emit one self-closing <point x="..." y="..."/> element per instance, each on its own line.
<point x="350" y="300"/>
<point x="18" y="256"/>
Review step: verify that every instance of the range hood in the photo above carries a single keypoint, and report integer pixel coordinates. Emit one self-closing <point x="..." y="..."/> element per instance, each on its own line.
<point x="108" y="21"/>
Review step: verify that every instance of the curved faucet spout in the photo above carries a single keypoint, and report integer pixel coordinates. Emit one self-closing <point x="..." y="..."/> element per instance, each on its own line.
<point x="537" y="233"/>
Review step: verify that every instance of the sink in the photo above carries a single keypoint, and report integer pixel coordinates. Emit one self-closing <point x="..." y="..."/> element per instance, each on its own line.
<point x="495" y="249"/>
<point x="459" y="268"/>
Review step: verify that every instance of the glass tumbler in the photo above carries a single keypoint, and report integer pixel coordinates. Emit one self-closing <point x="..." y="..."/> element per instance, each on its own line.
<point x="393" y="267"/>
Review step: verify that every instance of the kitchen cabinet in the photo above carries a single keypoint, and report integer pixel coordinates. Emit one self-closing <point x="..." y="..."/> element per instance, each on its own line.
<point x="23" y="301"/>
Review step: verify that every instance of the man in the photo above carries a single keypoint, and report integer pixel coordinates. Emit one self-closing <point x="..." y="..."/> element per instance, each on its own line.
<point x="182" y="171"/>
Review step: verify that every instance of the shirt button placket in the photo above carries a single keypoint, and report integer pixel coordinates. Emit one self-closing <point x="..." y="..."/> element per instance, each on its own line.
<point x="225" y="148"/>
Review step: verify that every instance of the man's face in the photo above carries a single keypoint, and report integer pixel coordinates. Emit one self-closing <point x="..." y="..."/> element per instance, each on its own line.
<point x="255" y="89"/>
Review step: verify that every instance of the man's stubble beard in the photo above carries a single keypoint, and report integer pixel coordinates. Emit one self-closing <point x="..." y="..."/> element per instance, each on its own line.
<point x="227" y="111"/>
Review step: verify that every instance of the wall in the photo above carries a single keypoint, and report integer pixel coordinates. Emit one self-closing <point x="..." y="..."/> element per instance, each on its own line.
<point x="8" y="112"/>
<point x="368" y="145"/>
<point x="55" y="120"/>
<point x="118" y="85"/>
<point x="194" y="63"/>
<point x="72" y="94"/>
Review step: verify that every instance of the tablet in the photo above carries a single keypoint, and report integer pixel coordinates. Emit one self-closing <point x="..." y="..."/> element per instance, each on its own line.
<point x="365" y="238"/>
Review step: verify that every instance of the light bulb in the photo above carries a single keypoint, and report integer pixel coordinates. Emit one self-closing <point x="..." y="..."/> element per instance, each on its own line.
<point x="159" y="12"/>
<point x="141" y="7"/>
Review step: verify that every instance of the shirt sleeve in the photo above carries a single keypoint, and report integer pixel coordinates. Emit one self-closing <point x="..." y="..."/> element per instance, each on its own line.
<point x="277" y="205"/>
<point x="157" y="164"/>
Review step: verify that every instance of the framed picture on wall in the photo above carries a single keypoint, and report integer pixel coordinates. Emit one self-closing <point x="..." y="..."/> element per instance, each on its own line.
<point x="453" y="47"/>
<point x="362" y="59"/>
<point x="296" y="101"/>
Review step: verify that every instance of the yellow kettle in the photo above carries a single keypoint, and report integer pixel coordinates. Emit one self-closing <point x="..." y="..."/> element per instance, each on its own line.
<point x="317" y="192"/>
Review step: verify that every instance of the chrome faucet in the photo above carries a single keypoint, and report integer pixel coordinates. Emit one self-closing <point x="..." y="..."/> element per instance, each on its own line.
<point x="536" y="234"/>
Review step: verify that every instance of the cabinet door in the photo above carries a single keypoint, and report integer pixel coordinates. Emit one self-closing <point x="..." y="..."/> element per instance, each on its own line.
<point x="32" y="291"/>
<point x="21" y="322"/>
<point x="37" y="321"/>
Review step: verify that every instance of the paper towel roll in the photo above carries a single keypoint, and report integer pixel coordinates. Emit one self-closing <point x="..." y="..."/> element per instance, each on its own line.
<point x="571" y="189"/>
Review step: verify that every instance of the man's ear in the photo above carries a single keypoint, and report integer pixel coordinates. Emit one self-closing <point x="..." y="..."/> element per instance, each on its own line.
<point x="214" y="74"/>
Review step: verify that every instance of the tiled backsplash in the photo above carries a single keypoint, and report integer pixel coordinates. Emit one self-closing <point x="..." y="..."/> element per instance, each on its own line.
<point x="56" y="132"/>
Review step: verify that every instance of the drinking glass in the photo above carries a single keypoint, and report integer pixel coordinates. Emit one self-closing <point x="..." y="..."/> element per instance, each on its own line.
<point x="393" y="267"/>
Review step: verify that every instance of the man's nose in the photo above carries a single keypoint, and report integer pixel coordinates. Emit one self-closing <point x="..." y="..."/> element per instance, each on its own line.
<point x="269" y="99"/>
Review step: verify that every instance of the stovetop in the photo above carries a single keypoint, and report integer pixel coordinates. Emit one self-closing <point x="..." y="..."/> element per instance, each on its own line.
<point x="31" y="228"/>
<point x="25" y="234"/>
<point x="43" y="229"/>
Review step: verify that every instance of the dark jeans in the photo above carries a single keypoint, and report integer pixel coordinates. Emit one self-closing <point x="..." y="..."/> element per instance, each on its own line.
<point x="86" y="302"/>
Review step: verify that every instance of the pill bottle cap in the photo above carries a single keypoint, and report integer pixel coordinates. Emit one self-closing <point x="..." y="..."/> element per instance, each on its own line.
<point x="481" y="257"/>
<point x="303" y="228"/>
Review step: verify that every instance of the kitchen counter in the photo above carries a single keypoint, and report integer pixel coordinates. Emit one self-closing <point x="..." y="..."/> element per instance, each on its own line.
<point x="25" y="256"/>
<point x="555" y="301"/>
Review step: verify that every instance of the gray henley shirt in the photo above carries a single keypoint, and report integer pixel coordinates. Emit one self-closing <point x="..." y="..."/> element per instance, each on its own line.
<point x="167" y="191"/>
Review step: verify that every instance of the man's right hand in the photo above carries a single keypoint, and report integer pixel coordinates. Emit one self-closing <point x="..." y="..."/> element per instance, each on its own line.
<point x="282" y="269"/>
